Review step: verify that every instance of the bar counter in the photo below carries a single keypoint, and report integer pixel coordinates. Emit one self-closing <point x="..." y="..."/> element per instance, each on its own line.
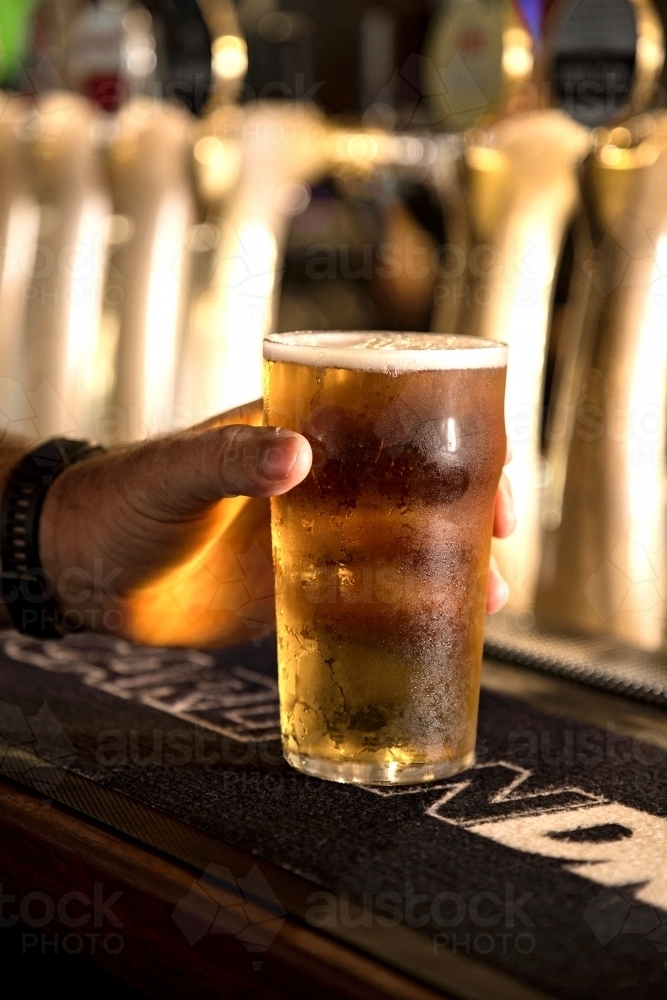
<point x="150" y="824"/>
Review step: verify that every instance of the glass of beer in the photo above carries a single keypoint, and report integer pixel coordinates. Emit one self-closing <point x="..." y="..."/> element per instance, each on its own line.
<point x="381" y="554"/>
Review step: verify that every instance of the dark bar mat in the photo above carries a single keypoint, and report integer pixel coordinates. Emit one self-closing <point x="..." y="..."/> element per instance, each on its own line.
<point x="596" y="660"/>
<point x="540" y="872"/>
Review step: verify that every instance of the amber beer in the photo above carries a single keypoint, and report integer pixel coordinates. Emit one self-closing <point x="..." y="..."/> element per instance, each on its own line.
<point x="381" y="554"/>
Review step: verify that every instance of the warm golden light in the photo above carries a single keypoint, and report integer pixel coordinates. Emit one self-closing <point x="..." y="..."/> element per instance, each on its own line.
<point x="484" y="158"/>
<point x="643" y="155"/>
<point x="517" y="53"/>
<point x="224" y="594"/>
<point x="358" y="147"/>
<point x="611" y="156"/>
<point x="217" y="162"/>
<point x="230" y="57"/>
<point x="209" y="150"/>
<point x="621" y="137"/>
<point x="650" y="53"/>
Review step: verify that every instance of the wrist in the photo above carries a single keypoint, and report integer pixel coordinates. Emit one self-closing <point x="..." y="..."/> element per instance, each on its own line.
<point x="31" y="582"/>
<point x="73" y="564"/>
<point x="57" y="543"/>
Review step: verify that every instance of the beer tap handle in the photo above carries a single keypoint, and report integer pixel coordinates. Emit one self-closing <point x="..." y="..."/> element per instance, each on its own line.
<point x="19" y="227"/>
<point x="250" y="165"/>
<point x="229" y="52"/>
<point x="446" y="179"/>
<point x="605" y="194"/>
<point x="521" y="176"/>
<point x="64" y="307"/>
<point x="604" y="568"/>
<point x="150" y="169"/>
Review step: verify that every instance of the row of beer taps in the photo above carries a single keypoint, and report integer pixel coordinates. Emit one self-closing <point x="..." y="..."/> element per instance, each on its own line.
<point x="140" y="272"/>
<point x="100" y="222"/>
<point x="588" y="471"/>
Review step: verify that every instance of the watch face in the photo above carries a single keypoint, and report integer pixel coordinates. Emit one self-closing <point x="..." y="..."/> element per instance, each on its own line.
<point x="594" y="48"/>
<point x="463" y="61"/>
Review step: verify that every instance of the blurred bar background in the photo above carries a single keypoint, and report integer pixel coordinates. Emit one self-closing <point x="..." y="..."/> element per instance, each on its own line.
<point x="180" y="178"/>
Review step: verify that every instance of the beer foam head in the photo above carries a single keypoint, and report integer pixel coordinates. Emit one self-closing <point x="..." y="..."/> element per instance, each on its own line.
<point x="392" y="353"/>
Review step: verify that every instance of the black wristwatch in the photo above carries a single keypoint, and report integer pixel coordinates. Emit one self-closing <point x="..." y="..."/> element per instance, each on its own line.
<point x="25" y="588"/>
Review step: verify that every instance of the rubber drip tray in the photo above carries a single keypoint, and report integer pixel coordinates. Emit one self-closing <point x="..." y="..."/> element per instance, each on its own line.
<point x="600" y="661"/>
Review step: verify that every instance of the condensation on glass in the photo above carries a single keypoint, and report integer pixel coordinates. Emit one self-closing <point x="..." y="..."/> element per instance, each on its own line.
<point x="381" y="554"/>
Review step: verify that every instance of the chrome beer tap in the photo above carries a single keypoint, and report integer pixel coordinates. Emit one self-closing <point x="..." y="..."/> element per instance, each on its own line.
<point x="520" y="192"/>
<point x="524" y="195"/>
<point x="152" y="178"/>
<point x="150" y="169"/>
<point x="476" y="67"/>
<point x="605" y="564"/>
<point x="521" y="178"/>
<point x="65" y="294"/>
<point x="251" y="165"/>
<point x="579" y="590"/>
<point x="257" y="160"/>
<point x="19" y="226"/>
<point x="601" y="59"/>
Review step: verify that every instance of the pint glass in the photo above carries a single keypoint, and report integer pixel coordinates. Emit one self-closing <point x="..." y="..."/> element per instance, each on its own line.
<point x="381" y="554"/>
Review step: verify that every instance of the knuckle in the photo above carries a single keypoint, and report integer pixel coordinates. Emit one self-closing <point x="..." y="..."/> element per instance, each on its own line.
<point x="240" y="453"/>
<point x="230" y="446"/>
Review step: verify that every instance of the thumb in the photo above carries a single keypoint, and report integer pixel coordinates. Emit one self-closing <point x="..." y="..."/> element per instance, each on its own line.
<point x="193" y="470"/>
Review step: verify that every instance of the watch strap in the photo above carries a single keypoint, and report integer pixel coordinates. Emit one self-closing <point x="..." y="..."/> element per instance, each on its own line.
<point x="25" y="588"/>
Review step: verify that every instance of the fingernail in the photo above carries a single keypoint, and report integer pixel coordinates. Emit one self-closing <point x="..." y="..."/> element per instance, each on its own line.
<point x="278" y="459"/>
<point x="502" y="592"/>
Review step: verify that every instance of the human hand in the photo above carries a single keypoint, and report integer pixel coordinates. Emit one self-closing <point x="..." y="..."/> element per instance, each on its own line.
<point x="168" y="542"/>
<point x="504" y="523"/>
